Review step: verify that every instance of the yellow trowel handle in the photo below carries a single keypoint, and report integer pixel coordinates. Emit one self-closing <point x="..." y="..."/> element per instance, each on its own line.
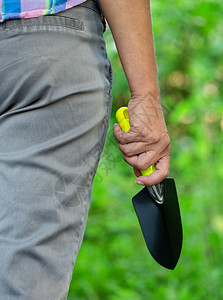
<point x="122" y="117"/>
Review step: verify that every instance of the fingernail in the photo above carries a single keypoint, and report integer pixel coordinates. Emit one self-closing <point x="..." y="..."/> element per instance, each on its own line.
<point x="139" y="182"/>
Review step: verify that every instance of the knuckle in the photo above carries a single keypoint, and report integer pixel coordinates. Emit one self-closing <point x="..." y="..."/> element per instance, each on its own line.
<point x="166" y="141"/>
<point x="127" y="152"/>
<point x="124" y="149"/>
<point x="120" y="146"/>
<point x="155" y="137"/>
<point x="125" y="159"/>
<point x="144" y="132"/>
<point x="127" y="149"/>
<point x="115" y="132"/>
<point x="166" y="173"/>
<point x="120" y="139"/>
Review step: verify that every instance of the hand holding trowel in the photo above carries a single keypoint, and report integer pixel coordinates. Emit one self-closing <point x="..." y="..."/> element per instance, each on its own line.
<point x="158" y="212"/>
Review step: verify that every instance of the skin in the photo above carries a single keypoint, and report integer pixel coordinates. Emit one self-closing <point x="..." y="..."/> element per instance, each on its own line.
<point x="147" y="141"/>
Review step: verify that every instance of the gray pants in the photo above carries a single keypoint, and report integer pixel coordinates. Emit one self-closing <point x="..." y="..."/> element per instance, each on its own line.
<point x="55" y="104"/>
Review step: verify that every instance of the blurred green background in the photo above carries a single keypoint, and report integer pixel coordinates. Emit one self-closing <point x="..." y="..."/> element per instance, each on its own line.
<point x="114" y="263"/>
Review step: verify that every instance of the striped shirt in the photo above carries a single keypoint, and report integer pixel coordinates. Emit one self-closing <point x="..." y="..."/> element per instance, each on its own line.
<point x="21" y="9"/>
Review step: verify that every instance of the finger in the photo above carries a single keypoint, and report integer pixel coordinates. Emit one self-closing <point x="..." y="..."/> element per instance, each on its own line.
<point x="162" y="171"/>
<point x="125" y="137"/>
<point x="118" y="133"/>
<point x="142" y="161"/>
<point x="133" y="149"/>
<point x="137" y="172"/>
<point x="162" y="147"/>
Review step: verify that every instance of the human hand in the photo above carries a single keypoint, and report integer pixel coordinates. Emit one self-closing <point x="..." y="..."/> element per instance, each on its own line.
<point x="147" y="141"/>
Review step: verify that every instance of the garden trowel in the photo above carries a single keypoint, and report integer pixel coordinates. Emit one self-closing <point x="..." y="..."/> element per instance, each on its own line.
<point x="158" y="212"/>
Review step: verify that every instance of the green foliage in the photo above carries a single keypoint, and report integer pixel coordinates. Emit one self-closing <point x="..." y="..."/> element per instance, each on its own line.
<point x="113" y="263"/>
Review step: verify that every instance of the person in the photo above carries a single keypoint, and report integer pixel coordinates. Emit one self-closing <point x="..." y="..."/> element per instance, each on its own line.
<point x="55" y="105"/>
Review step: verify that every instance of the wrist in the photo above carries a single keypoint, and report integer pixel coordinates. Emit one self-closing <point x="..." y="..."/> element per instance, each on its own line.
<point x="142" y="90"/>
<point x="149" y="95"/>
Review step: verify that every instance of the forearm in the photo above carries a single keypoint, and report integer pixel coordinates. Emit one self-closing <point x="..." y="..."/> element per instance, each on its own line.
<point x="130" y="23"/>
<point x="147" y="141"/>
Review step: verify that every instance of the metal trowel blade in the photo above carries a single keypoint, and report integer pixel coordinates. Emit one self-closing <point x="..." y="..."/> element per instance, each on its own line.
<point x="161" y="223"/>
